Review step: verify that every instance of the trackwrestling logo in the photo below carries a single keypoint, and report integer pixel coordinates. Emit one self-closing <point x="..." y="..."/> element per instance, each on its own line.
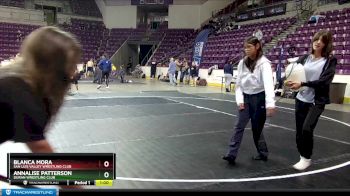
<point x="32" y="192"/>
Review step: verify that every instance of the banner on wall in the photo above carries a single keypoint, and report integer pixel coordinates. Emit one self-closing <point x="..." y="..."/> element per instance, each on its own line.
<point x="199" y="43"/>
<point x="269" y="11"/>
<point x="151" y="2"/>
<point x="343" y="1"/>
<point x="279" y="68"/>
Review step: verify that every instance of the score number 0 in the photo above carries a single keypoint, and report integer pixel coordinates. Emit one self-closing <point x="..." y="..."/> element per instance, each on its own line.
<point x="106" y="165"/>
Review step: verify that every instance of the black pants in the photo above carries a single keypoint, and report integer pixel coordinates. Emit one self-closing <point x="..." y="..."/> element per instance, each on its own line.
<point x="176" y="74"/>
<point x="306" y="118"/>
<point x="153" y="71"/>
<point x="183" y="73"/>
<point x="90" y="69"/>
<point x="105" y="76"/>
<point x="255" y="111"/>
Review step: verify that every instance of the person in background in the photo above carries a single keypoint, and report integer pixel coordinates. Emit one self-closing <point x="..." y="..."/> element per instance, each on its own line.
<point x="184" y="70"/>
<point x="159" y="75"/>
<point x="89" y="68"/>
<point x="194" y="70"/>
<point x="74" y="80"/>
<point x="19" y="36"/>
<point x="228" y="73"/>
<point x="97" y="74"/>
<point x="315" y="18"/>
<point x="121" y="73"/>
<point x="171" y="72"/>
<point x="105" y="66"/>
<point x="178" y="68"/>
<point x="153" y="69"/>
<point x="129" y="66"/>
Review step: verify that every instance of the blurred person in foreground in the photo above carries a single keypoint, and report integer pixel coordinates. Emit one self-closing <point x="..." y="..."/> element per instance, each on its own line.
<point x="32" y="90"/>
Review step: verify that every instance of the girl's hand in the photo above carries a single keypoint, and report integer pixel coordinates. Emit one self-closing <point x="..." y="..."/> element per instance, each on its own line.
<point x="295" y="85"/>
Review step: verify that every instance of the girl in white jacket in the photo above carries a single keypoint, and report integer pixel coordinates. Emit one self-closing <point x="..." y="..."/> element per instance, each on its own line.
<point x="254" y="97"/>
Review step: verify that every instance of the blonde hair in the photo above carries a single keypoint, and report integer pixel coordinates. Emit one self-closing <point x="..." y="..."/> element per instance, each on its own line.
<point x="48" y="61"/>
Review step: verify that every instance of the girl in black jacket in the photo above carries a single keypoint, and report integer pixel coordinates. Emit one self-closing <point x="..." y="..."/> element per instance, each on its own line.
<point x="311" y="100"/>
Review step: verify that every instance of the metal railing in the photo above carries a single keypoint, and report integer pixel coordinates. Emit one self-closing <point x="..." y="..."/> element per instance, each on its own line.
<point x="148" y="55"/>
<point x="178" y="54"/>
<point x="159" y="43"/>
<point x="114" y="56"/>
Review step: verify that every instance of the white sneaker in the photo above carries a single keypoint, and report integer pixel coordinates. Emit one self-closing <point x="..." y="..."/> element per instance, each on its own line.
<point x="99" y="86"/>
<point x="302" y="164"/>
<point x="107" y="86"/>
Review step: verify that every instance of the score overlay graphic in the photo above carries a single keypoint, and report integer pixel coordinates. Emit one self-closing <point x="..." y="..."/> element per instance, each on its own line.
<point x="61" y="169"/>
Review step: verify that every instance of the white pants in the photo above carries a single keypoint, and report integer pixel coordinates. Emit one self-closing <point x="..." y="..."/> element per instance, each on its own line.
<point x="172" y="78"/>
<point x="228" y="80"/>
